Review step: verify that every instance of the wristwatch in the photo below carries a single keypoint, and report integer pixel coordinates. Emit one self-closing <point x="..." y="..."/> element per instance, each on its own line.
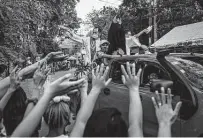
<point x="32" y="100"/>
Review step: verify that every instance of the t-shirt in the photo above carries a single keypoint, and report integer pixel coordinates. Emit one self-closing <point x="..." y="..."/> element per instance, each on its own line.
<point x="132" y="42"/>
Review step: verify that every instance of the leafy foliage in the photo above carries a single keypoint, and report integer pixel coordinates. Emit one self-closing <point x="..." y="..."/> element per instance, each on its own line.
<point x="170" y="13"/>
<point x="102" y="19"/>
<point x="29" y="26"/>
<point x="135" y="15"/>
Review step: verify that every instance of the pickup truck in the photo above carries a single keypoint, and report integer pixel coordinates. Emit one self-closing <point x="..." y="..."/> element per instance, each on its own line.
<point x="186" y="77"/>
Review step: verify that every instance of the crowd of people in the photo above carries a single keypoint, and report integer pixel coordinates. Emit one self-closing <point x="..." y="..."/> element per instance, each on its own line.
<point x="50" y="101"/>
<point x="119" y="42"/>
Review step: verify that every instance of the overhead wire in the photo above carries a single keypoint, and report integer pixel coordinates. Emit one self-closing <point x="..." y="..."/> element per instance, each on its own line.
<point x="108" y="2"/>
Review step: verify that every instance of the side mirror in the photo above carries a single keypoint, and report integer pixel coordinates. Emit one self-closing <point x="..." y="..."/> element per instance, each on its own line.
<point x="156" y="84"/>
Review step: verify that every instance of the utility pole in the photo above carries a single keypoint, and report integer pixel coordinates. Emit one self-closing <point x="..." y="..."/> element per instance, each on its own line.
<point x="155" y="20"/>
<point x="150" y="24"/>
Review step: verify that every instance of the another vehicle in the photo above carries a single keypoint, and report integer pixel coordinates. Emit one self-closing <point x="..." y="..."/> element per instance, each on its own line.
<point x="165" y="69"/>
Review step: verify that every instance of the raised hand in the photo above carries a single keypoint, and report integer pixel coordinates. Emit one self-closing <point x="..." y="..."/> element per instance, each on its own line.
<point x="40" y="75"/>
<point x="163" y="106"/>
<point x="15" y="79"/>
<point x="148" y="29"/>
<point x="99" y="77"/>
<point x="69" y="32"/>
<point x="55" y="56"/>
<point x="63" y="86"/>
<point x="129" y="78"/>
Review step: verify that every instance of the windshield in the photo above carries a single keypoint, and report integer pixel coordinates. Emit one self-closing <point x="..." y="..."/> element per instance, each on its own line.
<point x="191" y="70"/>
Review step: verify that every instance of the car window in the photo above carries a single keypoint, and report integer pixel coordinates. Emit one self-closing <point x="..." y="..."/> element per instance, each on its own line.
<point x="191" y="70"/>
<point x="115" y="71"/>
<point x="153" y="71"/>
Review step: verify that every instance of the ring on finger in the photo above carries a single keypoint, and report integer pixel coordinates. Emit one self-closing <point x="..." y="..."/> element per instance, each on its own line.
<point x="159" y="104"/>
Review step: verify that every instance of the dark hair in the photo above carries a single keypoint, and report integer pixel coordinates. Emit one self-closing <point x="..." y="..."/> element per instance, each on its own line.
<point x="14" y="111"/>
<point x="116" y="38"/>
<point x="106" y="122"/>
<point x="57" y="114"/>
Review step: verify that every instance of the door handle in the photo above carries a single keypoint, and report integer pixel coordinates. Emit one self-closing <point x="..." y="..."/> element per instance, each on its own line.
<point x="107" y="91"/>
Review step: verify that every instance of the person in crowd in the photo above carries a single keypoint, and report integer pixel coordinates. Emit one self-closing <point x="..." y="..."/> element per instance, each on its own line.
<point x="18" y="110"/>
<point x="58" y="114"/>
<point x="99" y="57"/>
<point x="14" y="110"/>
<point x="166" y="116"/>
<point x="19" y="106"/>
<point x="98" y="83"/>
<point x="3" y="68"/>
<point x="19" y="93"/>
<point x="102" y="56"/>
<point x="106" y="122"/>
<point x="132" y="81"/>
<point x="116" y="37"/>
<point x="59" y="87"/>
<point x="91" y="43"/>
<point x="29" y="71"/>
<point x="15" y="82"/>
<point x="132" y="42"/>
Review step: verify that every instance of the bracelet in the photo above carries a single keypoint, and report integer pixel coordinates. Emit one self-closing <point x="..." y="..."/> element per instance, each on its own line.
<point x="32" y="100"/>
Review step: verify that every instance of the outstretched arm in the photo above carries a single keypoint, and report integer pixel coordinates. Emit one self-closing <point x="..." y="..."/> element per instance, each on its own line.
<point x="58" y="87"/>
<point x="72" y="35"/>
<point x="26" y="128"/>
<point x="39" y="79"/>
<point x="110" y="56"/>
<point x="166" y="116"/>
<point x="86" y="110"/>
<point x="140" y="33"/>
<point x="147" y="30"/>
<point x="135" y="108"/>
<point x="53" y="56"/>
<point x="15" y="82"/>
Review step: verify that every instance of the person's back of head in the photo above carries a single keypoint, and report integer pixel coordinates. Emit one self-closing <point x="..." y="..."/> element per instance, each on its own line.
<point x="106" y="122"/>
<point x="57" y="114"/>
<point x="14" y="111"/>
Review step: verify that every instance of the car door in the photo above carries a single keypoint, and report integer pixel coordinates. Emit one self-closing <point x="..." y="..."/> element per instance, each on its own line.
<point x="116" y="94"/>
<point x="187" y="93"/>
<point x="150" y="124"/>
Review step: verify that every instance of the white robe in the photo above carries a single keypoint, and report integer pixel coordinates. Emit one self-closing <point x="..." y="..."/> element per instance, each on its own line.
<point x="87" y="44"/>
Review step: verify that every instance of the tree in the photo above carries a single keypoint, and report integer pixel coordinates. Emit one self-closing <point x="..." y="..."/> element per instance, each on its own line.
<point x="170" y="13"/>
<point x="29" y="26"/>
<point x="102" y="19"/>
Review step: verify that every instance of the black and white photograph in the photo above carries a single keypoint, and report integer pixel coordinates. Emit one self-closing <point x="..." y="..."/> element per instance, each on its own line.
<point x="101" y="68"/>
